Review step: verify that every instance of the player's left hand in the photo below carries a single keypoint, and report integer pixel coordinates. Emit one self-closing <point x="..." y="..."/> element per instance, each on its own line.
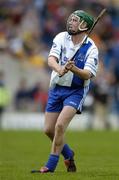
<point x="68" y="66"/>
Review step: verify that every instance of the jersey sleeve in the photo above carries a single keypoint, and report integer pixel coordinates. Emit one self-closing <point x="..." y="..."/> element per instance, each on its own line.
<point x="56" y="46"/>
<point x="92" y="61"/>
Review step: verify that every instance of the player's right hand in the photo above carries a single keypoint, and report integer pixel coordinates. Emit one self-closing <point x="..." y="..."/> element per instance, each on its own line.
<point x="62" y="71"/>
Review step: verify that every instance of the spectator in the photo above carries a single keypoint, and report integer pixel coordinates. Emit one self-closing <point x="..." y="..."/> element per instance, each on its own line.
<point x="4" y="96"/>
<point x="40" y="99"/>
<point x="22" y="96"/>
<point x="101" y="92"/>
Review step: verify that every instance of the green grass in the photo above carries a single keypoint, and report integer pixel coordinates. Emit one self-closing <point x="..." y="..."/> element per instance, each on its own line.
<point x="97" y="155"/>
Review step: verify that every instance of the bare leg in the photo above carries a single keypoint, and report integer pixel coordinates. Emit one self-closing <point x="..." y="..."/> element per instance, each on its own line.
<point x="50" y="121"/>
<point x="55" y="126"/>
<point x="63" y="121"/>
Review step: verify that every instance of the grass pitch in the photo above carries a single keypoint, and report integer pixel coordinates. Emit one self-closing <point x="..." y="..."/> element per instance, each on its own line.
<point x="97" y="155"/>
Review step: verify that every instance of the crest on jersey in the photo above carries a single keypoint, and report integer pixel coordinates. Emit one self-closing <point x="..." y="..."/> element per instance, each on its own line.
<point x="80" y="57"/>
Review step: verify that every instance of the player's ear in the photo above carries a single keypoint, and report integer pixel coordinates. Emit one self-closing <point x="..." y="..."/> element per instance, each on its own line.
<point x="83" y="26"/>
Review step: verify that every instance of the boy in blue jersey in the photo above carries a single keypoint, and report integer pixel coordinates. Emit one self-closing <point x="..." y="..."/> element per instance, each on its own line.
<point x="69" y="84"/>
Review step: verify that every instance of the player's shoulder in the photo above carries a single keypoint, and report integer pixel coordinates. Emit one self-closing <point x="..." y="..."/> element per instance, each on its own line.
<point x="93" y="46"/>
<point x="63" y="35"/>
<point x="92" y="43"/>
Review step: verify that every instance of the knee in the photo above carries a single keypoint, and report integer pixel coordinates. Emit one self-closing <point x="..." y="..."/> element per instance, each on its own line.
<point x="59" y="129"/>
<point x="49" y="132"/>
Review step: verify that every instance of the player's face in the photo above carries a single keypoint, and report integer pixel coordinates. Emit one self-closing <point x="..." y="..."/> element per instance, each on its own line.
<point x="75" y="25"/>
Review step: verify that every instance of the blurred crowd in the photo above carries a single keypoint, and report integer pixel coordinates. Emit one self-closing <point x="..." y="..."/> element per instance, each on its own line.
<point x="27" y="28"/>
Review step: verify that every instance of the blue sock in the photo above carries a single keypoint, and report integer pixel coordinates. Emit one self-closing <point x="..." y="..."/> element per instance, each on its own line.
<point x="52" y="162"/>
<point x="66" y="152"/>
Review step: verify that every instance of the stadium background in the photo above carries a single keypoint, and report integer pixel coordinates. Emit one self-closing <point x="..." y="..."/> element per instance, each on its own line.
<point x="27" y="28"/>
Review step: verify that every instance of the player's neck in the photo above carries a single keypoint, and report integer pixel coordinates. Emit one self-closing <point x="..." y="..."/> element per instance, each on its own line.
<point x="77" y="39"/>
